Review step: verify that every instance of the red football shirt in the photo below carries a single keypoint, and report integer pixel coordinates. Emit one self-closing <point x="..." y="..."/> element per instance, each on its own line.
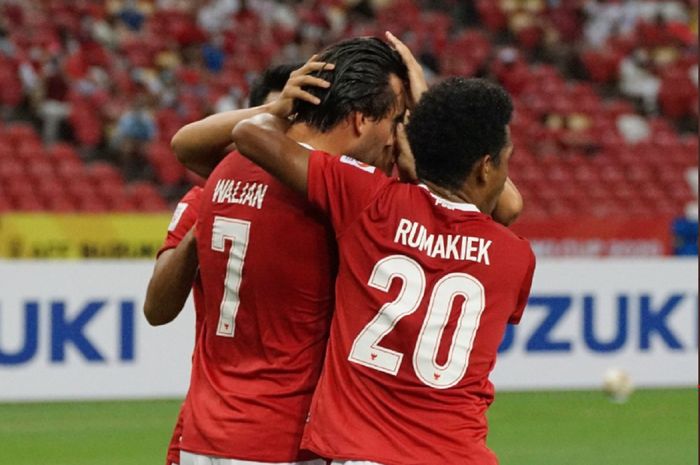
<point x="184" y="217"/>
<point x="267" y="261"/>
<point x="424" y="292"/>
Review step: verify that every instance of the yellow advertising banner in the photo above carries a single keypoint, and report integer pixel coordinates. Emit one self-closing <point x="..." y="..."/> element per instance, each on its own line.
<point x="30" y="235"/>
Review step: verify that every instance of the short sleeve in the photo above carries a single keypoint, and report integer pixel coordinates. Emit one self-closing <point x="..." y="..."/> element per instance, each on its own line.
<point x="342" y="187"/>
<point x="524" y="292"/>
<point x="184" y="217"/>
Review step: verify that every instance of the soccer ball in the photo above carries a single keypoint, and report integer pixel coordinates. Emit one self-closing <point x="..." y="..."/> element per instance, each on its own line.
<point x="618" y="385"/>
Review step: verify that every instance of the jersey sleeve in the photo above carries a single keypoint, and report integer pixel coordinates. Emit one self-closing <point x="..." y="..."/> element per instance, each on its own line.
<point x="342" y="187"/>
<point x="184" y="217"/>
<point x="524" y="292"/>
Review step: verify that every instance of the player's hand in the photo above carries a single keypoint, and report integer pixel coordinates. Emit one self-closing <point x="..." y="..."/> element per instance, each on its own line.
<point x="416" y="77"/>
<point x="405" y="163"/>
<point x="299" y="78"/>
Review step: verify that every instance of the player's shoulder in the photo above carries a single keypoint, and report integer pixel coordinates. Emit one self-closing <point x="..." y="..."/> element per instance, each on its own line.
<point x="515" y="242"/>
<point x="192" y="195"/>
<point x="355" y="163"/>
<point x="349" y="165"/>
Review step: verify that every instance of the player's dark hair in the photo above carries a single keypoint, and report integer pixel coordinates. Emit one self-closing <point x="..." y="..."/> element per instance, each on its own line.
<point x="272" y="79"/>
<point x="456" y="123"/>
<point x="359" y="82"/>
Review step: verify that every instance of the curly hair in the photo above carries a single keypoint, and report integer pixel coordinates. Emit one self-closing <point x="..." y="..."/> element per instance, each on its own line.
<point x="455" y="123"/>
<point x="359" y="82"/>
<point x="272" y="79"/>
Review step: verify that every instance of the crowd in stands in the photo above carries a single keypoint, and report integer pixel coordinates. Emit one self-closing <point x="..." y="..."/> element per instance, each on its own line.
<point x="606" y="92"/>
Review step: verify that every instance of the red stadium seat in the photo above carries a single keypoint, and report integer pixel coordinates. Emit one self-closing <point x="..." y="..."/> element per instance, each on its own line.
<point x="92" y="205"/>
<point x="30" y="203"/>
<point x="62" y="152"/>
<point x="11" y="168"/>
<point x="82" y="190"/>
<point x="120" y="201"/>
<point x="40" y="170"/>
<point x="71" y="171"/>
<point x="61" y="204"/>
<point x="169" y="173"/>
<point x="104" y="173"/>
<point x="5" y="204"/>
<point x="146" y="197"/>
<point x="19" y="133"/>
<point x="491" y="15"/>
<point x="19" y="186"/>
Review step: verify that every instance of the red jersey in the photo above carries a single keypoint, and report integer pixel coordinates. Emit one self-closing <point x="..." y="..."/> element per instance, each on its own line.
<point x="184" y="217"/>
<point x="267" y="261"/>
<point x="424" y="292"/>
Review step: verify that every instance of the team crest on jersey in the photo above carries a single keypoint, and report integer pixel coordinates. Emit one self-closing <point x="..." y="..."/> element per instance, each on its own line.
<point x="357" y="163"/>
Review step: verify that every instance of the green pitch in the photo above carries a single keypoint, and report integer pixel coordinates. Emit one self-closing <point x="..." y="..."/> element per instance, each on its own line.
<point x="655" y="427"/>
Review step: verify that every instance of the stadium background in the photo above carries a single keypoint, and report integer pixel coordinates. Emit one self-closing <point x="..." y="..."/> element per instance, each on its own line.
<point x="605" y="128"/>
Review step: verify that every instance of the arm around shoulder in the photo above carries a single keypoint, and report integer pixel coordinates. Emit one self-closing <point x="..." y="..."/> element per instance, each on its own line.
<point x="201" y="145"/>
<point x="264" y="141"/>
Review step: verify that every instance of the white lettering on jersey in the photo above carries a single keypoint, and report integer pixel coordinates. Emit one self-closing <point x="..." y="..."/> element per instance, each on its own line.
<point x="446" y="246"/>
<point x="251" y="194"/>
<point x="357" y="164"/>
<point x="177" y="214"/>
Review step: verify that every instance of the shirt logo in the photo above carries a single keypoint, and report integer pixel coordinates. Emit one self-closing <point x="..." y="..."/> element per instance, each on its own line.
<point x="357" y="164"/>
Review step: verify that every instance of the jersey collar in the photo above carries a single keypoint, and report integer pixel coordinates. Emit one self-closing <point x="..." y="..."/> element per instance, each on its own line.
<point x="465" y="207"/>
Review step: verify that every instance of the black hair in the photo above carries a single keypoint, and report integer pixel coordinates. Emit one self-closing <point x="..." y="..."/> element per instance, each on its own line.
<point x="359" y="82"/>
<point x="456" y="123"/>
<point x="272" y="79"/>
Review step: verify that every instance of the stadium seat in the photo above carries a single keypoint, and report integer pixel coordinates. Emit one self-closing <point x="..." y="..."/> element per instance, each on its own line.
<point x="120" y="201"/>
<point x="62" y="152"/>
<point x="104" y="173"/>
<point x="5" y="204"/>
<point x="40" y="170"/>
<point x="60" y="204"/>
<point x="11" y="168"/>
<point x="146" y="197"/>
<point x="71" y="171"/>
<point x="19" y="133"/>
<point x="29" y="203"/>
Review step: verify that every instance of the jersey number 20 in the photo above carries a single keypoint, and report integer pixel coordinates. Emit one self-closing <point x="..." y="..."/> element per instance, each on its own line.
<point x="366" y="349"/>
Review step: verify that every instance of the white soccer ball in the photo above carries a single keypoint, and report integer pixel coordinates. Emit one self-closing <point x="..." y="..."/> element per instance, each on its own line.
<point x="618" y="385"/>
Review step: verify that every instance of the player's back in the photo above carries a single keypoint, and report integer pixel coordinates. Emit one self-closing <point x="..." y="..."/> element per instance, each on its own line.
<point x="425" y="289"/>
<point x="267" y="260"/>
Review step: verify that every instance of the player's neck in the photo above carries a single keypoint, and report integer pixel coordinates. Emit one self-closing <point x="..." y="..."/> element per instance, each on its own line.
<point x="333" y="141"/>
<point x="464" y="195"/>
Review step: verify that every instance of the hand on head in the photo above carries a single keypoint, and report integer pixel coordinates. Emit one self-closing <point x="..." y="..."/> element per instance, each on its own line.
<point x="416" y="77"/>
<point x="298" y="79"/>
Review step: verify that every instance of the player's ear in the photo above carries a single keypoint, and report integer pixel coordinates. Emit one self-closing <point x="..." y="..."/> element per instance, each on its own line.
<point x="483" y="168"/>
<point x="359" y="123"/>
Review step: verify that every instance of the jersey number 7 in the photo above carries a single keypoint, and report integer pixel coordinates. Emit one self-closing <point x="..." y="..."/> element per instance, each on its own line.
<point x="237" y="232"/>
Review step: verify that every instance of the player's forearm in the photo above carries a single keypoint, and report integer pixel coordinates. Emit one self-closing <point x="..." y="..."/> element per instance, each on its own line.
<point x="264" y="141"/>
<point x="171" y="282"/>
<point x="201" y="145"/>
<point x="509" y="205"/>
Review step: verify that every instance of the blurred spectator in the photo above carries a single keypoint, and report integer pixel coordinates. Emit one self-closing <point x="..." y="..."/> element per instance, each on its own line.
<point x="54" y="106"/>
<point x="638" y="81"/>
<point x="633" y="128"/>
<point x="135" y="128"/>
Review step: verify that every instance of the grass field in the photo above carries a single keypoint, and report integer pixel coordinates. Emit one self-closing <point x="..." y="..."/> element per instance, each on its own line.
<point x="655" y="427"/>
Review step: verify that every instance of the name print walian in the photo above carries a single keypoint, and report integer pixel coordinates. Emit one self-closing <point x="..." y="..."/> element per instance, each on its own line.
<point x="251" y="194"/>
